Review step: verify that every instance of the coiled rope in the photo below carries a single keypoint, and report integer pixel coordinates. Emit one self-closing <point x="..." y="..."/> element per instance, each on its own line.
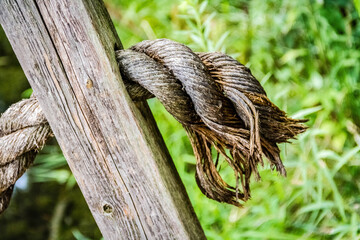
<point x="221" y="105"/>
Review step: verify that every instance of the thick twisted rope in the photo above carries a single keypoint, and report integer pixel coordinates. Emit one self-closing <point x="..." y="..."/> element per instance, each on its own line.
<point x="222" y="107"/>
<point x="23" y="132"/>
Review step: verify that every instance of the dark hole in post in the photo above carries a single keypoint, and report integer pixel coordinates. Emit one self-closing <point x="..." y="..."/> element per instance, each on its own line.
<point x="107" y="208"/>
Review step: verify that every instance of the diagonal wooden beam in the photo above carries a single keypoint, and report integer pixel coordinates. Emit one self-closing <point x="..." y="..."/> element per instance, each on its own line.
<point x="113" y="147"/>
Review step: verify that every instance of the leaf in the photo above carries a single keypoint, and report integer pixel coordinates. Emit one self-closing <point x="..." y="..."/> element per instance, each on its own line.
<point x="307" y="111"/>
<point x="203" y="6"/>
<point x="221" y="40"/>
<point x="344" y="159"/>
<point x="315" y="207"/>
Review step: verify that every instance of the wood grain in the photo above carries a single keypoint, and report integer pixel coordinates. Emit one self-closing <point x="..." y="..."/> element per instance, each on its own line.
<point x="113" y="147"/>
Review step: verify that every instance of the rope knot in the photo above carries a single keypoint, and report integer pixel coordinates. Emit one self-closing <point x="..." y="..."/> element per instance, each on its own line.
<point x="221" y="105"/>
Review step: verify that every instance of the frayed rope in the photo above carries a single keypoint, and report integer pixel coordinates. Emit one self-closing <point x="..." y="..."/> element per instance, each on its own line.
<point x="221" y="105"/>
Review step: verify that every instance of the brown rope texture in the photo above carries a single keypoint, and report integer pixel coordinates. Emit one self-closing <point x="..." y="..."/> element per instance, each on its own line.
<point x="221" y="105"/>
<point x="23" y="132"/>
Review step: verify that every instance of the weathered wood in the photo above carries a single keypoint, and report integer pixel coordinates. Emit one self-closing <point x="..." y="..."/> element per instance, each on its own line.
<point x="114" y="149"/>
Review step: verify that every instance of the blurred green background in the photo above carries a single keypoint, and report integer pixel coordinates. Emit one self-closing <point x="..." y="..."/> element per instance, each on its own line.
<point x="306" y="55"/>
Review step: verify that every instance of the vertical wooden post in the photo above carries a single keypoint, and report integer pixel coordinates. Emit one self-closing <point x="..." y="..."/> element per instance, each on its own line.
<point x="114" y="149"/>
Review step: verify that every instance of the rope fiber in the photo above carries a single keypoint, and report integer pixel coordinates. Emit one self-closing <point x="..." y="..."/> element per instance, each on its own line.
<point x="221" y="105"/>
